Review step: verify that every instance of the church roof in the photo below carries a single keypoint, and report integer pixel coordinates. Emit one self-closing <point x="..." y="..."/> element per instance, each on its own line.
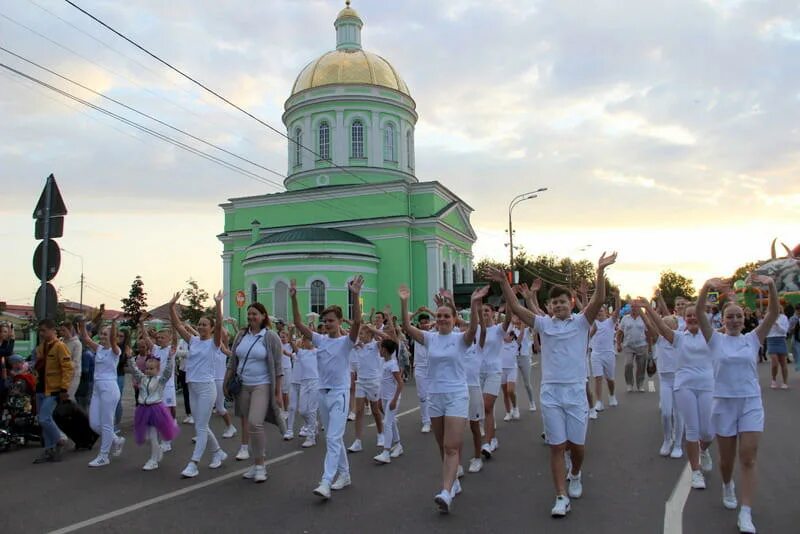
<point x="313" y="233"/>
<point x="349" y="67"/>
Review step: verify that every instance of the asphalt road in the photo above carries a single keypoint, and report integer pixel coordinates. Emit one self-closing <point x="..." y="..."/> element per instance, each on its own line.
<point x="626" y="484"/>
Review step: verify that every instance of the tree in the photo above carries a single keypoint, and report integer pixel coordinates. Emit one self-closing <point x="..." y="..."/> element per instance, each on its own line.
<point x="673" y="285"/>
<point x="742" y="272"/>
<point x="135" y="304"/>
<point x="194" y="297"/>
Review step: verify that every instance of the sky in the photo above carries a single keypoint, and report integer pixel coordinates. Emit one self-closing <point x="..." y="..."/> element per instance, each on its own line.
<point x="668" y="131"/>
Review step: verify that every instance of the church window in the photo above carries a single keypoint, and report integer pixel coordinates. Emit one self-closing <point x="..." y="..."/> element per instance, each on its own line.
<point x="298" y="143"/>
<point x="279" y="307"/>
<point x="324" y="140"/>
<point x="357" y="140"/>
<point x="317" y="296"/>
<point x="388" y="143"/>
<point x="410" y="149"/>
<point x="253" y="293"/>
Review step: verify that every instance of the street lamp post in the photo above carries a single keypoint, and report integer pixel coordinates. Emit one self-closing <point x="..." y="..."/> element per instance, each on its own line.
<point x="80" y="258"/>
<point x="517" y="200"/>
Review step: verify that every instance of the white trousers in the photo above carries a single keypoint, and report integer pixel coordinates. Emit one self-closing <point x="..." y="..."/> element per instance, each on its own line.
<point x="391" y="433"/>
<point x="333" y="404"/>
<point x="421" y="379"/>
<point x="309" y="404"/>
<point x="202" y="396"/>
<point x="105" y="396"/>
<point x="294" y="400"/>
<point x="219" y="403"/>
<point x="671" y="419"/>
<point x="524" y="366"/>
<point x="695" y="408"/>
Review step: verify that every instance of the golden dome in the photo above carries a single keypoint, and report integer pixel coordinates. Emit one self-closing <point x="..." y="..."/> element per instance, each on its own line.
<point x="349" y="67"/>
<point x="347" y="12"/>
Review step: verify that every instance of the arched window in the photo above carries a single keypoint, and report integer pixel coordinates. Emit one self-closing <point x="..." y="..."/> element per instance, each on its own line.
<point x="281" y="294"/>
<point x="357" y="140"/>
<point x="317" y="296"/>
<point x="463" y="276"/>
<point x="253" y="293"/>
<point x="388" y="143"/>
<point x="410" y="149"/>
<point x="324" y="140"/>
<point x="298" y="143"/>
<point x="454" y="277"/>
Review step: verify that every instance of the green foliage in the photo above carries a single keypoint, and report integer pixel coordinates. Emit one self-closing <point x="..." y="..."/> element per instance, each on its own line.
<point x="194" y="297"/>
<point x="135" y="304"/>
<point x="742" y="272"/>
<point x="673" y="285"/>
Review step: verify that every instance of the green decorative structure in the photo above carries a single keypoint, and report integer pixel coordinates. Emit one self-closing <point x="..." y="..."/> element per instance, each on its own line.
<point x="353" y="202"/>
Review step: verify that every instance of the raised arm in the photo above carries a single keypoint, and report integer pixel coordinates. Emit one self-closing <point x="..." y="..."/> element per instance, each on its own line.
<point x="411" y="331"/>
<point x="218" y="319"/>
<point x="499" y="276"/>
<point x="296" y="318"/>
<point x="84" y="335"/>
<point x="700" y="309"/>
<point x="661" y="304"/>
<point x="166" y="374"/>
<point x="177" y="325"/>
<point x="476" y="300"/>
<point x="773" y="308"/>
<point x="144" y="337"/>
<point x="97" y="320"/>
<point x="599" y="297"/>
<point x="654" y="322"/>
<point x="617" y="305"/>
<point x="354" y="286"/>
<point x="112" y="337"/>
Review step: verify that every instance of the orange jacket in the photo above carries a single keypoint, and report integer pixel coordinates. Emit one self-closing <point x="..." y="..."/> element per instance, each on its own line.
<point x="57" y="367"/>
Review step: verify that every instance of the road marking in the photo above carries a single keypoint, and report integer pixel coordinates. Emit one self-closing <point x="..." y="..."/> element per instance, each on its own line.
<point x="673" y="509"/>
<point x="165" y="497"/>
<point x="401" y="414"/>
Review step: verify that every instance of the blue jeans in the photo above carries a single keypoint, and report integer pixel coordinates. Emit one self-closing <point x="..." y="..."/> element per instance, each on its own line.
<point x="118" y="411"/>
<point x="50" y="432"/>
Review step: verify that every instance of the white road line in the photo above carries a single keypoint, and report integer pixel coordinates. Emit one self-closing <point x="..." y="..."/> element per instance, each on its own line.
<point x="401" y="414"/>
<point x="673" y="509"/>
<point x="165" y="497"/>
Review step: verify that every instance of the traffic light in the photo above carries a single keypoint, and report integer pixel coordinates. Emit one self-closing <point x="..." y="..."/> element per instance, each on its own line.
<point x="49" y="215"/>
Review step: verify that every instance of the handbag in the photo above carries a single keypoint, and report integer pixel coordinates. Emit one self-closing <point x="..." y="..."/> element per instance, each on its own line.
<point x="234" y="385"/>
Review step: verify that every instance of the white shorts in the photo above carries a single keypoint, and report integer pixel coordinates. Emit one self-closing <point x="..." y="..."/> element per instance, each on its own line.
<point x="729" y="417"/>
<point x="490" y="383"/>
<point x="170" y="395"/>
<point x="604" y="364"/>
<point x="476" y="411"/>
<point x="508" y="375"/>
<point x="353" y="368"/>
<point x="368" y="389"/>
<point x="454" y="404"/>
<point x="565" y="412"/>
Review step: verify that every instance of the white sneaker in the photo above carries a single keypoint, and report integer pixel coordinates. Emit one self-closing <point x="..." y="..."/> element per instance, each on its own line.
<point x="612" y="400"/>
<point x="351" y="416"/>
<point x="217" y="459"/>
<point x="303" y="433"/>
<point x="244" y="453"/>
<point x="188" y="420"/>
<point x="460" y="471"/>
<point x="705" y="461"/>
<point x="515" y="413"/>
<point x="629" y="388"/>
<point x="475" y="465"/>
<point x="100" y="461"/>
<point x="356" y="446"/>
<point x="698" y="480"/>
<point x="666" y="448"/>
<point x="341" y="482"/>
<point x="495" y="444"/>
<point x="592" y="413"/>
<point x="260" y="474"/>
<point x="598" y="406"/>
<point x="383" y="458"/>
<point x="150" y="465"/>
<point x="562" y="506"/>
<point x="426" y="428"/>
<point x="729" y="496"/>
<point x="166" y="446"/>
<point x="456" y="489"/>
<point x="323" y="490"/>
<point x="641" y="389"/>
<point x="533" y="407"/>
<point x="250" y="473"/>
<point x="309" y="442"/>
<point x="745" y="522"/>
<point x="288" y="436"/>
<point x="575" y="486"/>
<point x="190" y="471"/>
<point x="379" y="443"/>
<point x="443" y="501"/>
<point x="397" y="450"/>
<point x="229" y="432"/>
<point x="507" y="417"/>
<point x="677" y="452"/>
<point x="486" y="450"/>
<point x="116" y="448"/>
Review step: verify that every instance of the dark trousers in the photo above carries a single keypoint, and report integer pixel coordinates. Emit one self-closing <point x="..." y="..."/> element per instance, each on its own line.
<point x="182" y="383"/>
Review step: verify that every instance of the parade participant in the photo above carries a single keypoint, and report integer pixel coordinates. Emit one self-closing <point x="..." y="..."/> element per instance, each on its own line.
<point x="182" y="351"/>
<point x="564" y="340"/>
<point x="777" y="351"/>
<point x="295" y="380"/>
<point x="256" y="361"/>
<point x="391" y="388"/>
<point x="738" y="413"/>
<point x="508" y="378"/>
<point x="106" y="392"/>
<point x="220" y="368"/>
<point x="491" y="373"/>
<point x="125" y="353"/>
<point x="73" y="343"/>
<point x="287" y="357"/>
<point x="449" y="394"/>
<point x="421" y="370"/>
<point x="309" y="390"/>
<point x="152" y="420"/>
<point x="54" y="376"/>
<point x="200" y="380"/>
<point x="603" y="357"/>
<point x="632" y="343"/>
<point x="166" y="350"/>
<point x="333" y="360"/>
<point x="472" y="369"/>
<point x="368" y="369"/>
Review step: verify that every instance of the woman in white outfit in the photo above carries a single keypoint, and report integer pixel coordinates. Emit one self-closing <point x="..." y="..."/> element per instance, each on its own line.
<point x="447" y="381"/>
<point x="200" y="380"/>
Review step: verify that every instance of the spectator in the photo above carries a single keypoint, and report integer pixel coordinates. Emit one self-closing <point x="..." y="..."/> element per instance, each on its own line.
<point x="73" y="343"/>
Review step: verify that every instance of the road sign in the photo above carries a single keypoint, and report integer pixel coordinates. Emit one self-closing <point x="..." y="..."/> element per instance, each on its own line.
<point x="57" y="206"/>
<point x="240" y="299"/>
<point x="45" y="302"/>
<point x="56" y="228"/>
<point x="53" y="260"/>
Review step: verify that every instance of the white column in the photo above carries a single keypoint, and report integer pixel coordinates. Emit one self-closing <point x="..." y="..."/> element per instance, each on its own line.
<point x="469" y="270"/>
<point x="459" y="267"/>
<point x="432" y="250"/>
<point x="341" y="138"/>
<point x="227" y="263"/>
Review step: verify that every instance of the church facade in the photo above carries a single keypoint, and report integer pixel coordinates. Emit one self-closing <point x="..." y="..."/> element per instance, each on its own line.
<point x="353" y="203"/>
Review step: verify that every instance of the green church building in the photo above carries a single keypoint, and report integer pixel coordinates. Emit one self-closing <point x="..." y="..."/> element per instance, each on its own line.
<point x="353" y="203"/>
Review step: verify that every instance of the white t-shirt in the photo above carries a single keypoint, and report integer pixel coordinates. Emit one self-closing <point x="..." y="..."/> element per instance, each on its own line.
<point x="472" y="365"/>
<point x="564" y="345"/>
<point x="306" y="360"/>
<point x="735" y="360"/>
<point x="781" y="326"/>
<point x="256" y="371"/>
<point x="220" y="365"/>
<point x="694" y="370"/>
<point x="666" y="356"/>
<point x="508" y="354"/>
<point x="420" y="357"/>
<point x="491" y="351"/>
<point x="526" y="347"/>
<point x="200" y="360"/>
<point x="162" y="355"/>
<point x="333" y="360"/>
<point x="603" y="339"/>
<point x="370" y="362"/>
<point x="446" y="372"/>
<point x="388" y="383"/>
<point x="105" y="364"/>
<point x="633" y="332"/>
<point x="286" y="362"/>
<point x="681" y="323"/>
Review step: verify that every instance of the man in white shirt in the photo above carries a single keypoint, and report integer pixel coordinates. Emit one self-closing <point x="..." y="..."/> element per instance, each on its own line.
<point x="632" y="343"/>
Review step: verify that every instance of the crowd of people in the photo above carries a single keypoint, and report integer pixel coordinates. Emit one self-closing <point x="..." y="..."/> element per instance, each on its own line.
<point x="342" y="369"/>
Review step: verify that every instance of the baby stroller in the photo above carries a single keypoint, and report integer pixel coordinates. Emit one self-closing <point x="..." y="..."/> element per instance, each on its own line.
<point x="18" y="424"/>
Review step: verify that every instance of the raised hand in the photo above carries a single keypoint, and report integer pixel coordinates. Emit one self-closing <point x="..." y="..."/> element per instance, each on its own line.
<point x="438" y="300"/>
<point x="480" y="293"/>
<point x="175" y="298"/>
<point x="355" y="284"/>
<point x="404" y="293"/>
<point x="292" y="287"/>
<point x="606" y="261"/>
<point x="760" y="279"/>
<point x="218" y="297"/>
<point x="494" y="274"/>
<point x="536" y="285"/>
<point x="719" y="284"/>
<point x="446" y="294"/>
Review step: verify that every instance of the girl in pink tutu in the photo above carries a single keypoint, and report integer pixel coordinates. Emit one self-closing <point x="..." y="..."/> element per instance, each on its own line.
<point x="152" y="418"/>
